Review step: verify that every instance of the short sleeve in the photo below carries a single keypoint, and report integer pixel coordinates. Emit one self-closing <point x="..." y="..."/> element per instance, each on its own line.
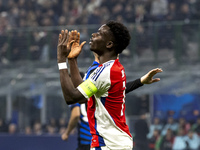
<point x="98" y="82"/>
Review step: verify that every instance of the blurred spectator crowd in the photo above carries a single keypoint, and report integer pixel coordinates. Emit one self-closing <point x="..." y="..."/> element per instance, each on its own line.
<point x="17" y="15"/>
<point x="34" y="13"/>
<point x="53" y="126"/>
<point x="169" y="135"/>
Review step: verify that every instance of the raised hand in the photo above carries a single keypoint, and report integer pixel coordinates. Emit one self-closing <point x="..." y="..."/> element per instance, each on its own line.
<point x="63" y="47"/>
<point x="76" y="46"/>
<point x="148" y="78"/>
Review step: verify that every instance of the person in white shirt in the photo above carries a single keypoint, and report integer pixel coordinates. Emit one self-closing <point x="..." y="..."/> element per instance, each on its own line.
<point x="193" y="140"/>
<point x="155" y="125"/>
<point x="180" y="141"/>
<point x="170" y="124"/>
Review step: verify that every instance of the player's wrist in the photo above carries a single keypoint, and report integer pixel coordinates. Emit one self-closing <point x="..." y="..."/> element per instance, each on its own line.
<point x="61" y="60"/>
<point x="143" y="80"/>
<point x="62" y="65"/>
<point x="72" y="59"/>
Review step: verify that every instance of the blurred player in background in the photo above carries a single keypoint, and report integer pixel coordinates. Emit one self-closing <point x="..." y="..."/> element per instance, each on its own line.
<point x="105" y="87"/>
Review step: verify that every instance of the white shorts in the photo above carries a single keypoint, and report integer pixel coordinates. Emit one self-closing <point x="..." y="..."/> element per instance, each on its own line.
<point x="100" y="148"/>
<point x="106" y="148"/>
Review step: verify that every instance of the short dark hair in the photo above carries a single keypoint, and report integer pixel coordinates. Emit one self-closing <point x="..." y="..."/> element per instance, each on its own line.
<point x="121" y="35"/>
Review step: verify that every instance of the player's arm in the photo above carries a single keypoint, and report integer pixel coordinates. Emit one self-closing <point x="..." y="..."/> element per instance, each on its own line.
<point x="70" y="93"/>
<point x="132" y="85"/>
<point x="72" y="58"/>
<point x="73" y="121"/>
<point x="75" y="76"/>
<point x="146" y="79"/>
<point x="74" y="71"/>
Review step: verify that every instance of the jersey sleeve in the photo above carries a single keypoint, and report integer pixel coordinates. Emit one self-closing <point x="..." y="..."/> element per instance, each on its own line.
<point x="132" y="85"/>
<point x="97" y="83"/>
<point x="74" y="105"/>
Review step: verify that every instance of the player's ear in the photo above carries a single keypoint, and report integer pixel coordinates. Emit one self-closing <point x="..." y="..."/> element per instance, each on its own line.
<point x="110" y="44"/>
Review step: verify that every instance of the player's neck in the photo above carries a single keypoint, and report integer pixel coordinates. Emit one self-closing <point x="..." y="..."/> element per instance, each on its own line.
<point x="107" y="57"/>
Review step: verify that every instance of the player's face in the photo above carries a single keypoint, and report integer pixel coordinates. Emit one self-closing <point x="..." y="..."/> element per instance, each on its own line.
<point x="100" y="39"/>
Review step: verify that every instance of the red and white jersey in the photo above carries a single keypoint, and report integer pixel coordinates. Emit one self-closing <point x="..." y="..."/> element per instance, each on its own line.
<point x="105" y="90"/>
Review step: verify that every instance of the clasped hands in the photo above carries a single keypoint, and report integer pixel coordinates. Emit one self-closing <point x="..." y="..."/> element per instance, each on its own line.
<point x="68" y="45"/>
